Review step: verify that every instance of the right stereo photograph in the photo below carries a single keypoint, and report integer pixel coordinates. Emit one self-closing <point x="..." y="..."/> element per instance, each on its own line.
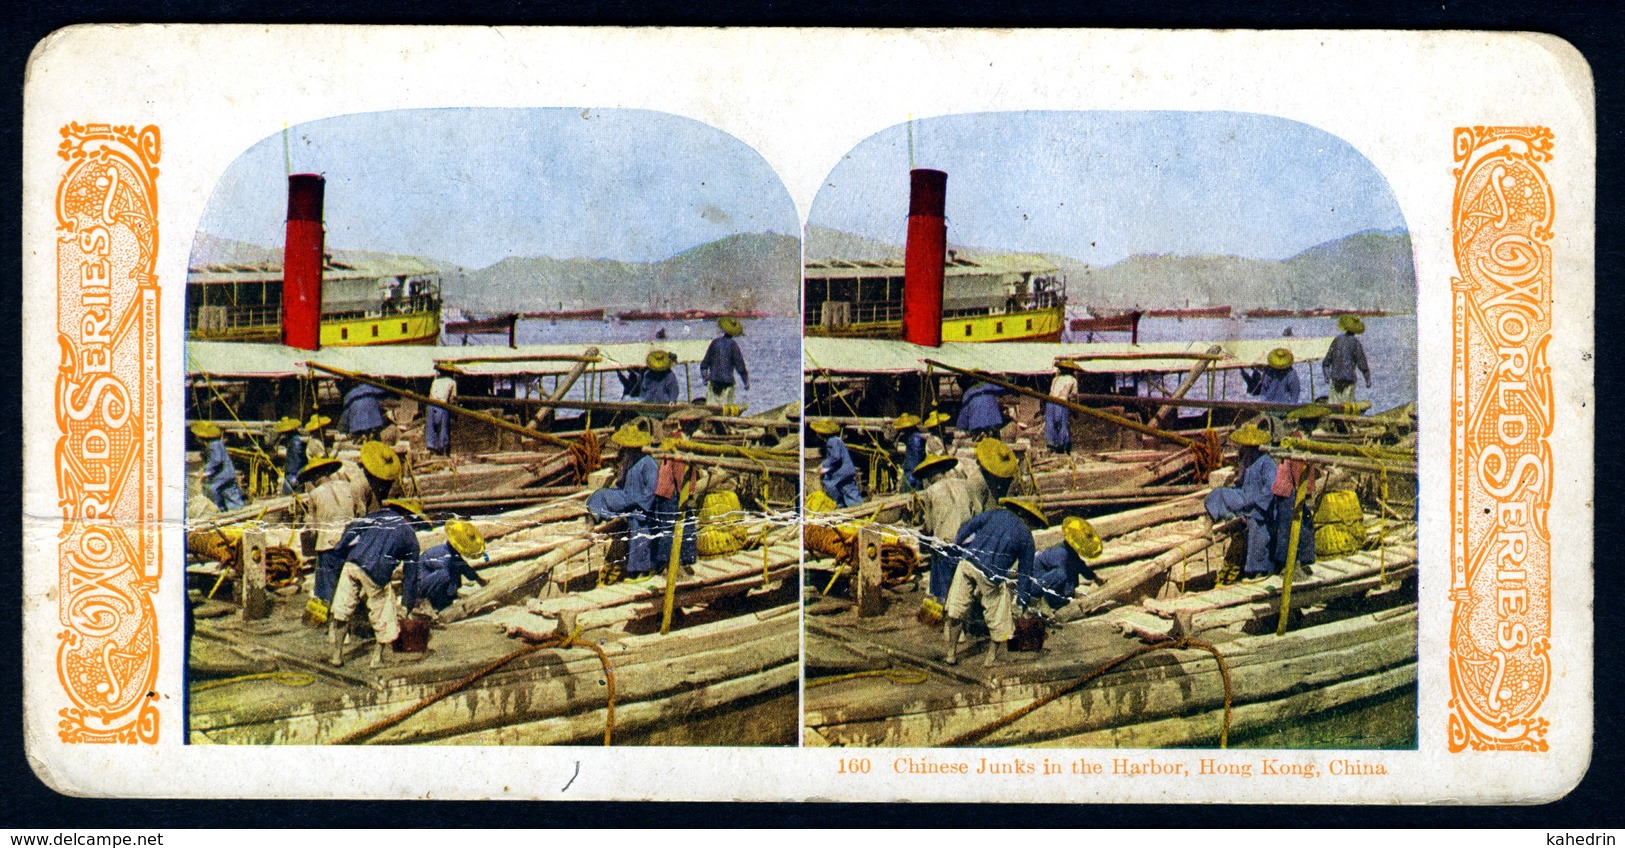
<point x="1109" y="438"/>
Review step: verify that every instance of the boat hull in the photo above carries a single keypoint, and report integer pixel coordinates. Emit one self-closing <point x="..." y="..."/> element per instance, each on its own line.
<point x="410" y="328"/>
<point x="1040" y="325"/>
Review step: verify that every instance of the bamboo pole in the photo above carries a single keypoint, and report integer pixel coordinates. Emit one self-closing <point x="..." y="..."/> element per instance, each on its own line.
<point x="508" y="494"/>
<point x="1205" y="403"/>
<point x="634" y="406"/>
<point x="769" y="454"/>
<point x="563" y="386"/>
<point x="765" y="423"/>
<point x="1357" y="464"/>
<point x="588" y="358"/>
<point x="1125" y="583"/>
<point x="504" y="586"/>
<point x="730" y="464"/>
<point x="1186" y="385"/>
<point x="1373" y="452"/>
<point x="1076" y="407"/>
<point x="1213" y="354"/>
<point x="492" y="420"/>
<point x="1293" y="537"/>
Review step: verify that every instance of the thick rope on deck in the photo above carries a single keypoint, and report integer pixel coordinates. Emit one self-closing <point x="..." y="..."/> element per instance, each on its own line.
<point x="286" y="678"/>
<point x="585" y="457"/>
<point x="901" y="676"/>
<point x="1170" y="645"/>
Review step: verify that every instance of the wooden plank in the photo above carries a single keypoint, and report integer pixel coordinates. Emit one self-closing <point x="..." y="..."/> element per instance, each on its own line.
<point x="518" y="579"/>
<point x="587" y="728"/>
<point x="533" y="688"/>
<point x="1113" y="703"/>
<point x="1059" y="668"/>
<point x="870" y="602"/>
<point x="1202" y="729"/>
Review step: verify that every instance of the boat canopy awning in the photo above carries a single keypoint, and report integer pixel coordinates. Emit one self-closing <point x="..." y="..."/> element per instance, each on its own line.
<point x="889" y="356"/>
<point x="236" y="359"/>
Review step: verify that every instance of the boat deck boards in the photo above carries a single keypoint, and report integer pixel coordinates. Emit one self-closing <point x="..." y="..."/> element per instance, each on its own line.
<point x="883" y="710"/>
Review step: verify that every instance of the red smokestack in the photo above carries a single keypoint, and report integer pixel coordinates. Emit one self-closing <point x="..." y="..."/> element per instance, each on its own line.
<point x="925" y="257"/>
<point x="302" y="263"/>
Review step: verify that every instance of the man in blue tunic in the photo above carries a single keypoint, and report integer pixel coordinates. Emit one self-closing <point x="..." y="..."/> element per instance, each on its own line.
<point x="442" y="568"/>
<point x="723" y="359"/>
<point x="951" y="498"/>
<point x="1056" y="570"/>
<point x="287" y="432"/>
<point x="1253" y="500"/>
<point x="338" y="496"/>
<point x="909" y="432"/>
<point x="363" y="417"/>
<point x="1343" y="358"/>
<point x="1275" y="383"/>
<point x="372" y="547"/>
<point x="837" y="473"/>
<point x="659" y="382"/>
<point x="437" y="421"/>
<point x="631" y="496"/>
<point x="980" y="415"/>
<point x="1057" y="417"/>
<point x="219" y="473"/>
<point x="996" y="546"/>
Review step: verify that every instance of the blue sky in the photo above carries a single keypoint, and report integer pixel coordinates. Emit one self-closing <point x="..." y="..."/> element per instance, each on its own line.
<point x="1103" y="186"/>
<point x="474" y="186"/>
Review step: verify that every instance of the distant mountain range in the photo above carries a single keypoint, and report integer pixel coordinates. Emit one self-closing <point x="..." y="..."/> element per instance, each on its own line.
<point x="761" y="271"/>
<point x="1373" y="270"/>
<point x="747" y="271"/>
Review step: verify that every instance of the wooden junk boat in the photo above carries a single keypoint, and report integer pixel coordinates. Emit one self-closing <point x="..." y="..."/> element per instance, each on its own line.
<point x="542" y="655"/>
<point x="1135" y="662"/>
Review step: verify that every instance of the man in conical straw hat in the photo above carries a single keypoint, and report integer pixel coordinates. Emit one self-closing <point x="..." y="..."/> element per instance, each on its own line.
<point x="1056" y="570"/>
<point x="219" y="472"/>
<point x="632" y="496"/>
<point x="1253" y="499"/>
<point x="837" y="474"/>
<point x="723" y="359"/>
<point x="373" y="547"/>
<point x="1275" y="381"/>
<point x="1344" y="357"/>
<point x="997" y="546"/>
<point x="286" y="432"/>
<point x="315" y="432"/>
<point x="932" y="427"/>
<point x="953" y="497"/>
<point x="659" y="382"/>
<point x="912" y="437"/>
<point x="341" y="492"/>
<point x="442" y="568"/>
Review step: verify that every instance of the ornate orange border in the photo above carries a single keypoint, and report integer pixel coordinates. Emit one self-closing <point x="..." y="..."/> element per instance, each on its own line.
<point x="107" y="415"/>
<point x="1501" y="420"/>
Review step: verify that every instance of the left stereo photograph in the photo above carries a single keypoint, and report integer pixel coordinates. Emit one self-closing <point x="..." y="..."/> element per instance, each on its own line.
<point x="492" y="435"/>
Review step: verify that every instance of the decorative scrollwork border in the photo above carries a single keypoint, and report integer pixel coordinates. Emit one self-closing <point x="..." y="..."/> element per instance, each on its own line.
<point x="1501" y="407"/>
<point x="107" y="450"/>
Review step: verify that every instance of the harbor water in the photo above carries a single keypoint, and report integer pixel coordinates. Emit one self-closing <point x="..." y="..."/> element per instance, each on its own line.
<point x="1389" y="342"/>
<point x="772" y="348"/>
